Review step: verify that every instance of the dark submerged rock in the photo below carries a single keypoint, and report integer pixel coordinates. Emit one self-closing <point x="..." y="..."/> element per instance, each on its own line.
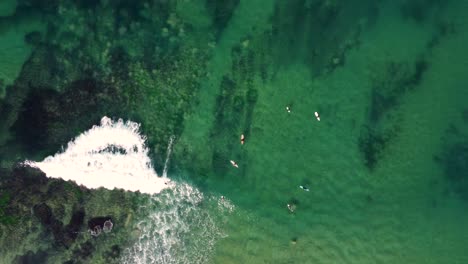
<point x="43" y="213"/>
<point x="84" y="251"/>
<point x="113" y="253"/>
<point x="39" y="257"/>
<point x="75" y="224"/>
<point x="221" y="12"/>
<point x="455" y="164"/>
<point x="64" y="236"/>
<point x="48" y="119"/>
<point x="371" y="144"/>
<point x="33" y="38"/>
<point x="394" y="81"/>
<point x="97" y="224"/>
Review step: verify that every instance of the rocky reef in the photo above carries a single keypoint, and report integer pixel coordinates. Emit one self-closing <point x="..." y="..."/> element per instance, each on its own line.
<point x="100" y="58"/>
<point x="56" y="212"/>
<point x="82" y="60"/>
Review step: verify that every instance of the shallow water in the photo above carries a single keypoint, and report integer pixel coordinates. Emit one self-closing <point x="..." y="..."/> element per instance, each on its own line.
<point x="385" y="165"/>
<point x="403" y="210"/>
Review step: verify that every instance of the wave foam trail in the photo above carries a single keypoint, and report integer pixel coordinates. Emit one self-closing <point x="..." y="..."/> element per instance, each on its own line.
<point x="182" y="227"/>
<point x="111" y="155"/>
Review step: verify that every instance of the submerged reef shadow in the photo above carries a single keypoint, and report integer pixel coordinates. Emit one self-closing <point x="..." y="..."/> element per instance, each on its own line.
<point x="48" y="119"/>
<point x="389" y="83"/>
<point x="420" y="10"/>
<point x="318" y="33"/>
<point x="456" y="168"/>
<point x="453" y="157"/>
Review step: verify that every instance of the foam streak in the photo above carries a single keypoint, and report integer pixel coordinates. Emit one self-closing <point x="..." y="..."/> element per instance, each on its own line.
<point x="168" y="156"/>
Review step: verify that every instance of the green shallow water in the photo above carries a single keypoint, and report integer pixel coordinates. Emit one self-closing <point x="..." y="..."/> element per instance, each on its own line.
<point x="393" y="69"/>
<point x="402" y="211"/>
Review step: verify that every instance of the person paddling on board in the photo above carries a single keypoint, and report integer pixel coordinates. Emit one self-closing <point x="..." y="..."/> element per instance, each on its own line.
<point x="242" y="139"/>
<point x="233" y="163"/>
<point x="304" y="188"/>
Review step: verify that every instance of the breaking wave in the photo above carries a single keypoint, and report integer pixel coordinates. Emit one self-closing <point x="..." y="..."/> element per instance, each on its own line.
<point x="183" y="227"/>
<point x="180" y="224"/>
<point x="111" y="155"/>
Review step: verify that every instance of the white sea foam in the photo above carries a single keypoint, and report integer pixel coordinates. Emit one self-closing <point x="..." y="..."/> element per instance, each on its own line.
<point x="183" y="227"/>
<point x="179" y="225"/>
<point x="111" y="155"/>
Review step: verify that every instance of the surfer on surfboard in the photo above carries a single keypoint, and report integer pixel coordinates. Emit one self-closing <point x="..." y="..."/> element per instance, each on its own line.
<point x="233" y="163"/>
<point x="317" y="116"/>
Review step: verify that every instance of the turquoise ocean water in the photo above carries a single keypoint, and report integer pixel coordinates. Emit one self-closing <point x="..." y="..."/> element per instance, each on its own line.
<point x="405" y="209"/>
<point x="386" y="166"/>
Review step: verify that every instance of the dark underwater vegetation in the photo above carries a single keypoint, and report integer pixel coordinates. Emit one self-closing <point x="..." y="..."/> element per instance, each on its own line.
<point x="385" y="167"/>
